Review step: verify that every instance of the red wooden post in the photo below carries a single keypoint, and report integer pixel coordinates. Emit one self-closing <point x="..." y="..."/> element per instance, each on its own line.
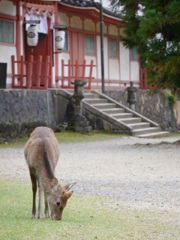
<point x="39" y="65"/>
<point x="70" y="72"/>
<point x="13" y="70"/>
<point x="21" y="71"/>
<point x="76" y="69"/>
<point x="46" y="71"/>
<point x="83" y="69"/>
<point x="90" y="74"/>
<point x="29" y="72"/>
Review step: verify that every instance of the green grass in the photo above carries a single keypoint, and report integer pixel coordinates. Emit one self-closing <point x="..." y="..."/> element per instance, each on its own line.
<point x="69" y="137"/>
<point x="85" y="217"/>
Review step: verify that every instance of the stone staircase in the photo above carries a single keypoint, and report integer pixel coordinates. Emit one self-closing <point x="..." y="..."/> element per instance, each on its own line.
<point x="122" y="118"/>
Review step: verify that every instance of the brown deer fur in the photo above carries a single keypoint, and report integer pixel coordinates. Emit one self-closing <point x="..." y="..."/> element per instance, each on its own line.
<point x="42" y="153"/>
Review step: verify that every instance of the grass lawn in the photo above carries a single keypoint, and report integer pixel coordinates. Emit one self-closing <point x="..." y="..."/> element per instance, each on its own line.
<point x="85" y="218"/>
<point x="70" y="137"/>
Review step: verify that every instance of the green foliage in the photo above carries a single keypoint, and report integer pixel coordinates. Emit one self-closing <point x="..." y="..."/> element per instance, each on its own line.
<point x="171" y="100"/>
<point x="85" y="217"/>
<point x="156" y="34"/>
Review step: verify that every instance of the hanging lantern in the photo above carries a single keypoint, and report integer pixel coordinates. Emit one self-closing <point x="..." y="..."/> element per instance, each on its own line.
<point x="60" y="39"/>
<point x="32" y="35"/>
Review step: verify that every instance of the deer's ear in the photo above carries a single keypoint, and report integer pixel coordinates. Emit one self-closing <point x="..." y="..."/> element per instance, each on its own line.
<point x="63" y="194"/>
<point x="69" y="186"/>
<point x="68" y="194"/>
<point x="54" y="182"/>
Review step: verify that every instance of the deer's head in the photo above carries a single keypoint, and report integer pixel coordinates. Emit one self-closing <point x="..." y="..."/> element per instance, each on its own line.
<point x="58" y="198"/>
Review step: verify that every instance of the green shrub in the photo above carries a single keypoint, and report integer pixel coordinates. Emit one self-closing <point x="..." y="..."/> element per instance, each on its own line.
<point x="171" y="99"/>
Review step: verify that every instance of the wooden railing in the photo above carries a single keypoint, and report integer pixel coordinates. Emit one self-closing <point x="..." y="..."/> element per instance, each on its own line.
<point x="72" y="71"/>
<point x="30" y="74"/>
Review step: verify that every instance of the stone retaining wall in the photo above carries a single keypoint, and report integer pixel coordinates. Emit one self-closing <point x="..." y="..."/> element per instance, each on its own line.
<point x="154" y="106"/>
<point x="23" y="110"/>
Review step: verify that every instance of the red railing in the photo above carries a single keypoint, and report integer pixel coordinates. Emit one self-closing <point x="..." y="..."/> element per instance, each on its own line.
<point x="72" y="71"/>
<point x="30" y="74"/>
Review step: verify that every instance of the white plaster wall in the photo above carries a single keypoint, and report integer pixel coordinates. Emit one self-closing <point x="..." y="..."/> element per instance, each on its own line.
<point x="5" y="56"/>
<point x="7" y="7"/>
<point x="124" y="63"/>
<point x="53" y="76"/>
<point x="65" y="57"/>
<point x="114" y="69"/>
<point x="88" y="61"/>
<point x="134" y="71"/>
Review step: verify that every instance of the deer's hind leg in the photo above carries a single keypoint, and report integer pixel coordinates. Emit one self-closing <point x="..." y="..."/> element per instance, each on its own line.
<point x="40" y="200"/>
<point x="34" y="190"/>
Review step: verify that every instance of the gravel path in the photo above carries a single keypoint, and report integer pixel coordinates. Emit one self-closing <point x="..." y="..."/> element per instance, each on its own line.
<point x="141" y="173"/>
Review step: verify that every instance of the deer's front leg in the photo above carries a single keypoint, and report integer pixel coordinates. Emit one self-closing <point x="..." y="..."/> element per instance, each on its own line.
<point x="46" y="207"/>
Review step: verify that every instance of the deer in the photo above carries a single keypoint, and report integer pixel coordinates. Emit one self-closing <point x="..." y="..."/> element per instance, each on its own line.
<point x="42" y="153"/>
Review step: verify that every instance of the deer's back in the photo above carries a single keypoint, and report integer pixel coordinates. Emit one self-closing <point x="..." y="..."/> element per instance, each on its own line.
<point x="41" y="147"/>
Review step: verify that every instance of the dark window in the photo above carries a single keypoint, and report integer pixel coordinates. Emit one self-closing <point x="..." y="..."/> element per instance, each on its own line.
<point x="6" y="32"/>
<point x="89" y="45"/>
<point x="133" y="53"/>
<point x="113" y="49"/>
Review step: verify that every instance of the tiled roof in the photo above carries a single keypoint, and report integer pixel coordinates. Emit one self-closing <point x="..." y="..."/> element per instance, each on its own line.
<point x="81" y="3"/>
<point x="88" y="4"/>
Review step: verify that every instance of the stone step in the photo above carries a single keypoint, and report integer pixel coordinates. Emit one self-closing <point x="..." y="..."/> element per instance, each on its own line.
<point x="90" y="95"/>
<point x="119" y="116"/>
<point x="156" y="134"/>
<point x="131" y="120"/>
<point x="104" y="105"/>
<point x="139" y="125"/>
<point x="140" y="128"/>
<point x="149" y="130"/>
<point x="122" y="117"/>
<point x="114" y="110"/>
<point x="96" y="100"/>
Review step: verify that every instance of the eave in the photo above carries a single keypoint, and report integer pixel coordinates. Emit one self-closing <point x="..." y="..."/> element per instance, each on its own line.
<point x="90" y="12"/>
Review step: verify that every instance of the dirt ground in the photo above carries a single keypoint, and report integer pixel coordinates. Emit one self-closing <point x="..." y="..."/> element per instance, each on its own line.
<point x="138" y="173"/>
